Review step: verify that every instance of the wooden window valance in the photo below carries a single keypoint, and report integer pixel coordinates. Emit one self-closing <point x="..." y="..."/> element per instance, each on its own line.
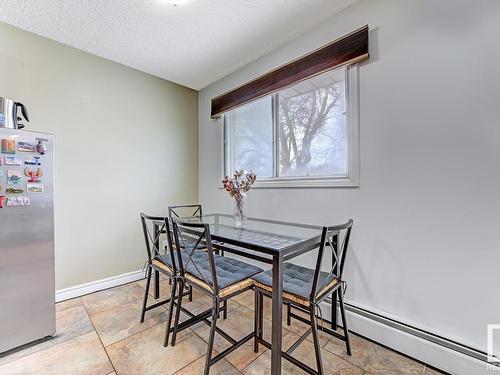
<point x="349" y="49"/>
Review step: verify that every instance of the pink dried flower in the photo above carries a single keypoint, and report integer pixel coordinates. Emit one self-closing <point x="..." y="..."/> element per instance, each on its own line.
<point x="241" y="182"/>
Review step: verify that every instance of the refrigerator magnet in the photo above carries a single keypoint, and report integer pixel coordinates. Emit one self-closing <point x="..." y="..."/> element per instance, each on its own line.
<point x="12" y="190"/>
<point x="1" y="201"/>
<point x="41" y="148"/>
<point x="1" y="173"/>
<point x="35" y="161"/>
<point x="34" y="175"/>
<point x="17" y="201"/>
<point x="11" y="160"/>
<point x="13" y="177"/>
<point x="8" y="146"/>
<point x="33" y="187"/>
<point x="26" y="147"/>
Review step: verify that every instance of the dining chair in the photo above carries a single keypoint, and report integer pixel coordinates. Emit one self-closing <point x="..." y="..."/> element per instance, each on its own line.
<point x="188" y="211"/>
<point x="305" y="289"/>
<point x="193" y="211"/>
<point x="158" y="261"/>
<point x="185" y="210"/>
<point x="218" y="277"/>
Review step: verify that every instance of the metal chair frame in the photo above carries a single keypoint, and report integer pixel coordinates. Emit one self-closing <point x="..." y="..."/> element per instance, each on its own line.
<point x="153" y="251"/>
<point x="196" y="213"/>
<point x="329" y="239"/>
<point x="172" y="211"/>
<point x="192" y="231"/>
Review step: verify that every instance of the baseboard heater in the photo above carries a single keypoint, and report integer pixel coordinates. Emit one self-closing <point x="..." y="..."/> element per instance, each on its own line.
<point x="422" y="334"/>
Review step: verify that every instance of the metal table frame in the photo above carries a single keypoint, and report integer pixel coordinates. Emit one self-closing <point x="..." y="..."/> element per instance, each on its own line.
<point x="266" y="254"/>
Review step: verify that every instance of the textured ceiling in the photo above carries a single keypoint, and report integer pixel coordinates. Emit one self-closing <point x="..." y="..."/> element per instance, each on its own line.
<point x="193" y="44"/>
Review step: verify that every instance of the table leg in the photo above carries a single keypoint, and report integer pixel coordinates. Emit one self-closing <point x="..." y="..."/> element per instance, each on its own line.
<point x="277" y="314"/>
<point x="157" y="274"/>
<point x="333" y="320"/>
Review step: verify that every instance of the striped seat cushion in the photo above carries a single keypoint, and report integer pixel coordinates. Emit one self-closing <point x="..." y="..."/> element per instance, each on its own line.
<point x="229" y="271"/>
<point x="297" y="281"/>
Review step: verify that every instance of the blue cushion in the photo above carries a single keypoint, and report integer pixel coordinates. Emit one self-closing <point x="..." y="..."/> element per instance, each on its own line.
<point x="167" y="258"/>
<point x="296" y="279"/>
<point x="190" y="244"/>
<point x="229" y="271"/>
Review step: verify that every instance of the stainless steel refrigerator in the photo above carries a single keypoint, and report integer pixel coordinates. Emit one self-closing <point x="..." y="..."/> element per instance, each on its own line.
<point x="27" y="291"/>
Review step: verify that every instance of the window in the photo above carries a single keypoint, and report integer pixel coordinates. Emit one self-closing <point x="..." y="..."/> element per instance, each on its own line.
<point x="304" y="135"/>
<point x="249" y="132"/>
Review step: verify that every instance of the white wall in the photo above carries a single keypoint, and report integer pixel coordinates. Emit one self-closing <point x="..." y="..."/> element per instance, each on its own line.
<point x="426" y="239"/>
<point x="125" y="142"/>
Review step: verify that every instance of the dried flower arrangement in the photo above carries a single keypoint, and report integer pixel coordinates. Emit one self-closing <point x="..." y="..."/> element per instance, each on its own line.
<point x="237" y="187"/>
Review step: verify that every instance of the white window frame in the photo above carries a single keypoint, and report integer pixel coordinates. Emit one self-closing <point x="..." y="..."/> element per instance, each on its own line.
<point x="352" y="119"/>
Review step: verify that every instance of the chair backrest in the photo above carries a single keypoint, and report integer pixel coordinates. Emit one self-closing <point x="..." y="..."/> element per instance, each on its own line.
<point x="336" y="238"/>
<point x="186" y="210"/>
<point x="154" y="227"/>
<point x="188" y="237"/>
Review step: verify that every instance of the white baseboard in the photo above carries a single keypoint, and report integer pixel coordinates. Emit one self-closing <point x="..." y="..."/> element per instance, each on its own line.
<point x="426" y="351"/>
<point x="94" y="286"/>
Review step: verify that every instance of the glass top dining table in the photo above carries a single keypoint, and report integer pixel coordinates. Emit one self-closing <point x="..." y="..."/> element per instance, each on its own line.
<point x="268" y="241"/>
<point x="261" y="235"/>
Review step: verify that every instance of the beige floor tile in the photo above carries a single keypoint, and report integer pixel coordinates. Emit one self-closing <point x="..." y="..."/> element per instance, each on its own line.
<point x="300" y="327"/>
<point x="331" y="363"/>
<point x="137" y="348"/>
<point x="262" y="365"/>
<point x="68" y="304"/>
<point x="239" y="323"/>
<point x="123" y="321"/>
<point x="164" y="286"/>
<point x="144" y="353"/>
<point x="200" y="303"/>
<point x="110" y="298"/>
<point x="296" y="326"/>
<point x="232" y="305"/>
<point x="244" y="355"/>
<point x="70" y="323"/>
<point x="222" y="367"/>
<point x="82" y="355"/>
<point x="374" y="358"/>
<point x="305" y="353"/>
<point x="361" y="350"/>
<point x="197" y="292"/>
<point x="245" y="299"/>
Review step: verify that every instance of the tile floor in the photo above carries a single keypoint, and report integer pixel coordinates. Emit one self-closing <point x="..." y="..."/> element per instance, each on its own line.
<point x="100" y="334"/>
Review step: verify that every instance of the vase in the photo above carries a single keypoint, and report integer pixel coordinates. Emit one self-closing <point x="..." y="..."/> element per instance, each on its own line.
<point x="240" y="217"/>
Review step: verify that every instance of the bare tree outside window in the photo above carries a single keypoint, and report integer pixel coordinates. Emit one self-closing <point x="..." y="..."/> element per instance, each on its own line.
<point x="298" y="133"/>
<point x="312" y="131"/>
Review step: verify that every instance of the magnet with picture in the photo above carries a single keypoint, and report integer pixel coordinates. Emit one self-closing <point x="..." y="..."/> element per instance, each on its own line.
<point x="41" y="148"/>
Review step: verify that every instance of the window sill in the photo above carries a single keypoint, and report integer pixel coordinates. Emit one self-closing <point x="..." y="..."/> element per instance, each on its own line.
<point x="304" y="183"/>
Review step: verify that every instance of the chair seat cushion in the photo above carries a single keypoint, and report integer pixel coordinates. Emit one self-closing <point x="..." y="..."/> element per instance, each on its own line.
<point x="297" y="280"/>
<point x="229" y="271"/>
<point x="199" y="256"/>
<point x="190" y="244"/>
